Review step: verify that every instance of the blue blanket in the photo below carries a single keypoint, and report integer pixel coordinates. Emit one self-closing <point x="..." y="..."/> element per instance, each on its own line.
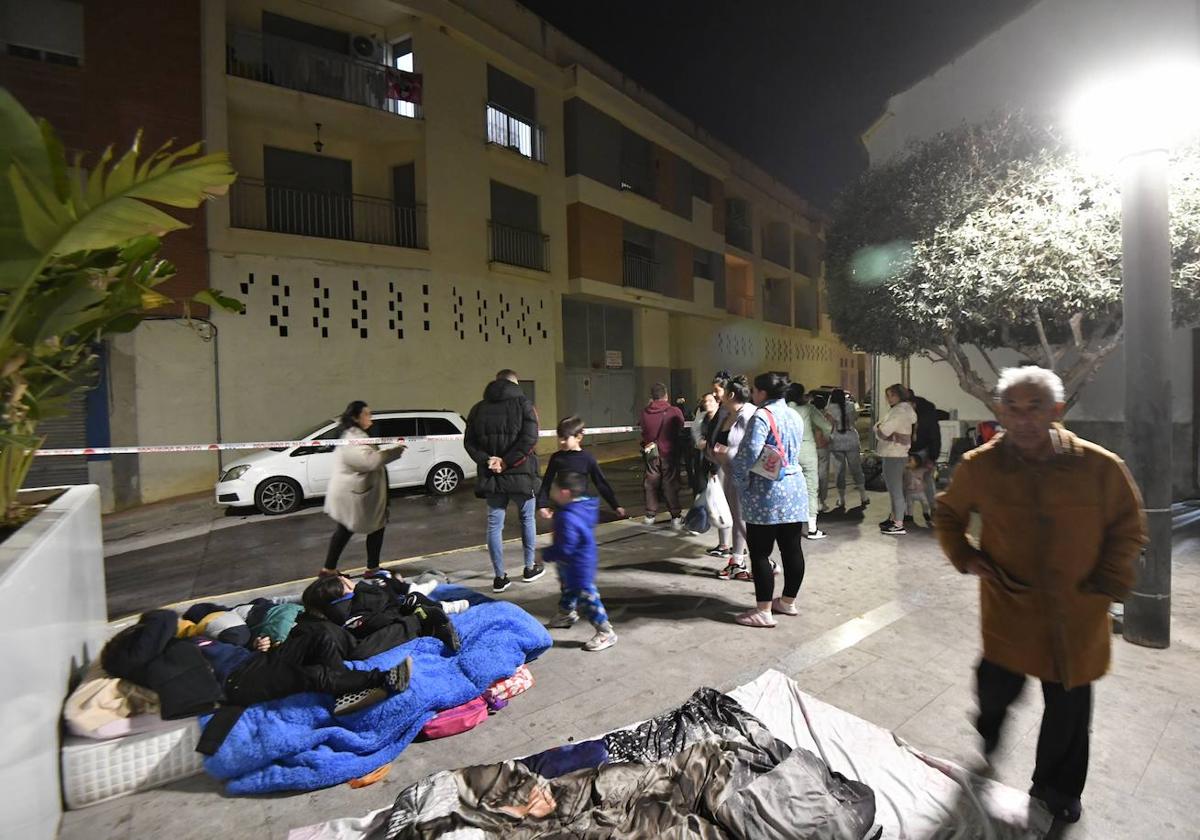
<point x="296" y="743"/>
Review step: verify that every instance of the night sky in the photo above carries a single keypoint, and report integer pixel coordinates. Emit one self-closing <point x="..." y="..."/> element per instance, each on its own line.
<point x="791" y="84"/>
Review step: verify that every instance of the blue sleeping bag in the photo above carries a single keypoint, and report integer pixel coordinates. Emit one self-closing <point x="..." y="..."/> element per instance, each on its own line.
<point x="296" y="743"/>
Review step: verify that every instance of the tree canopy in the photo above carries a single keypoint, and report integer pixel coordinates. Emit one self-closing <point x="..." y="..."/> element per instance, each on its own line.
<point x="995" y="236"/>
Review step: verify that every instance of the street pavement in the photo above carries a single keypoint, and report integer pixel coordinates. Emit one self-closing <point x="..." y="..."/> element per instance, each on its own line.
<point x="190" y="548"/>
<point x="887" y="631"/>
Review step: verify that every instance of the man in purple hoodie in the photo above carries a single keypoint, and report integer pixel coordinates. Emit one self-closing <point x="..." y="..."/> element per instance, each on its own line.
<point x="661" y="425"/>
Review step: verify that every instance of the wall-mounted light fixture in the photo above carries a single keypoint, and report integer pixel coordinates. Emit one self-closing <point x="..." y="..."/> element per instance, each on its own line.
<point x="317" y="144"/>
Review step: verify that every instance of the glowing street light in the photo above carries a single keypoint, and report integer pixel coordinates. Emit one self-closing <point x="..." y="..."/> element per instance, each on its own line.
<point x="1132" y="120"/>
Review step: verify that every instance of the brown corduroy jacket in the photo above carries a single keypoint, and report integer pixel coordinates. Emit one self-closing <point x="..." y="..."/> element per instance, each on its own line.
<point x="1062" y="535"/>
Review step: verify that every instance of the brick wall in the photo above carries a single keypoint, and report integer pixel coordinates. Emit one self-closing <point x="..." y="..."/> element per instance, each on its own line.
<point x="141" y="69"/>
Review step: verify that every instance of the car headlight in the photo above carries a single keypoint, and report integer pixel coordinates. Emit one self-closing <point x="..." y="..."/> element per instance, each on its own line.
<point x="235" y="473"/>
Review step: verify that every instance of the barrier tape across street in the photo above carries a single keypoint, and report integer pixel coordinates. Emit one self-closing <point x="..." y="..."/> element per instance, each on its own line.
<point x="288" y="444"/>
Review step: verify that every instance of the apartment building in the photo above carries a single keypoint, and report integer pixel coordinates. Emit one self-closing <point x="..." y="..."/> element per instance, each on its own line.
<point x="430" y="191"/>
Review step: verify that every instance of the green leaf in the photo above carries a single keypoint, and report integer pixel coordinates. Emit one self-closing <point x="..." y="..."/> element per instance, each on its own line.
<point x="215" y="299"/>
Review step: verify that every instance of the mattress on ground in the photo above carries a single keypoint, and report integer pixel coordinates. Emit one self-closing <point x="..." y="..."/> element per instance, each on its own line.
<point x="917" y="796"/>
<point x="96" y="771"/>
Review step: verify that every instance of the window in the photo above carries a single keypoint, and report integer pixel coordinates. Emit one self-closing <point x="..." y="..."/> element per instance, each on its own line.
<point x="402" y="59"/>
<point x="49" y="30"/>
<point x="806" y="305"/>
<point x="809" y="253"/>
<point x="777" y="300"/>
<point x="701" y="185"/>
<point x="438" y="426"/>
<point x="308" y="194"/>
<point x="737" y="224"/>
<point x="512" y="116"/>
<point x="701" y="263"/>
<point x="637" y="164"/>
<point x="394" y="427"/>
<point x="516" y="237"/>
<point x="776" y="244"/>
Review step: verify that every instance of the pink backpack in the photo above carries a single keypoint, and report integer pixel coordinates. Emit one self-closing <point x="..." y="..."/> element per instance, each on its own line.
<point x="456" y="720"/>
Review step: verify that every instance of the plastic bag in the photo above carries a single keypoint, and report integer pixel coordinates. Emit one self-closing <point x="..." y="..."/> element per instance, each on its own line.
<point x="718" y="506"/>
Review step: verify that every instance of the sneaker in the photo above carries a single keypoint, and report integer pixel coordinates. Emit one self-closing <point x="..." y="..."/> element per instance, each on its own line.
<point x="676" y="523"/>
<point x="1061" y="807"/>
<point x="499" y="584"/>
<point x="719" y="552"/>
<point x="774" y="568"/>
<point x="864" y="502"/>
<point x="892" y="529"/>
<point x="564" y="620"/>
<point x="382" y="574"/>
<point x="444" y="632"/>
<point x="399" y="676"/>
<point x="532" y="573"/>
<point x="730" y="569"/>
<point x="648" y="519"/>
<point x="909" y="519"/>
<point x="928" y="521"/>
<point x="329" y="573"/>
<point x="603" y="640"/>
<point x="357" y="700"/>
<point x="455" y="607"/>
<point x="885" y="523"/>
<point x="818" y="534"/>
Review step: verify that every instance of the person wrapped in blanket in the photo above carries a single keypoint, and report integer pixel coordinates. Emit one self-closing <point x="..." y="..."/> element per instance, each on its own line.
<point x="213" y="653"/>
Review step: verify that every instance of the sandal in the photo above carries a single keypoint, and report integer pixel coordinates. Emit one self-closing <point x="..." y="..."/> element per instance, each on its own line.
<point x="743" y="574"/>
<point x="731" y="568"/>
<point x="756" y="618"/>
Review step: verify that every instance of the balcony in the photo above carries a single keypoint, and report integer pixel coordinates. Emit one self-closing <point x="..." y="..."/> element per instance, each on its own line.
<point x="517" y="246"/>
<point x="640" y="272"/>
<point x="257" y="205"/>
<point x="290" y="64"/>
<point x="515" y="134"/>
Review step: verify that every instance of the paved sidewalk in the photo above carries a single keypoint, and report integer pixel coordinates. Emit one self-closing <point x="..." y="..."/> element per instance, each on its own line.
<point x="888" y="631"/>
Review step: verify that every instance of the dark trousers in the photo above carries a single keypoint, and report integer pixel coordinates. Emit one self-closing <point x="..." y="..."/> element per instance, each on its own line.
<point x="337" y="544"/>
<point x="761" y="540"/>
<point x="662" y="473"/>
<point x="268" y="677"/>
<point x="1062" y="748"/>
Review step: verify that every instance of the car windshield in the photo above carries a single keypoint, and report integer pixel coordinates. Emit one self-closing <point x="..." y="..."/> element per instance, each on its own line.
<point x="311" y="433"/>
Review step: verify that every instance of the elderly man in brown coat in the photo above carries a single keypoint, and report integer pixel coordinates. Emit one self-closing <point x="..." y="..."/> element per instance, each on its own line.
<point x="1062" y="526"/>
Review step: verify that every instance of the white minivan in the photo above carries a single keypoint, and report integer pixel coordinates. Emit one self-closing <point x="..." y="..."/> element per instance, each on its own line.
<point x="277" y="480"/>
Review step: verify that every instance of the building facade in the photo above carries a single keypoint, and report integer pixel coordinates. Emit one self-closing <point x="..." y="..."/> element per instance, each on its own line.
<point x="429" y="191"/>
<point x="1036" y="63"/>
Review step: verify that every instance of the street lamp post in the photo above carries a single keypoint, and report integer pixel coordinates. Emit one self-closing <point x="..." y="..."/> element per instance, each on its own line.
<point x="1135" y="117"/>
<point x="1146" y="277"/>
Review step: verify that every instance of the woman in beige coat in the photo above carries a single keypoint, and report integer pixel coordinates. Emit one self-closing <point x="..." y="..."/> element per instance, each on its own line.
<point x="357" y="498"/>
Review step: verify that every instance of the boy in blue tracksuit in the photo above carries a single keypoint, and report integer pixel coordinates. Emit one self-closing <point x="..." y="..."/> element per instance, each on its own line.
<point x="574" y="554"/>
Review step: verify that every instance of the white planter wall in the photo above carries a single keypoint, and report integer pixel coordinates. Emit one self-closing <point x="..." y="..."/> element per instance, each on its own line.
<point x="53" y="619"/>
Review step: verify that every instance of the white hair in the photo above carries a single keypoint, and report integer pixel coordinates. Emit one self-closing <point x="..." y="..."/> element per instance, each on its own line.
<point x="1039" y="377"/>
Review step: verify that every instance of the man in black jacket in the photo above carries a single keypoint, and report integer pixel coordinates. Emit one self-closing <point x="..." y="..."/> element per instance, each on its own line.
<point x="502" y="432"/>
<point x="926" y="446"/>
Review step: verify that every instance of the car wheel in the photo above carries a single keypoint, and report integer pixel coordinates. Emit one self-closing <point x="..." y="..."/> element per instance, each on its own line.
<point x="278" y="495"/>
<point x="444" y="479"/>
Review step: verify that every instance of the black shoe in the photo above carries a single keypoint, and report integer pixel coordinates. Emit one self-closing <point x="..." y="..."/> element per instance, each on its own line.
<point x="444" y="632"/>
<point x="533" y="572"/>
<point x="500" y="584"/>
<point x="885" y="523"/>
<point x="892" y="529"/>
<point x="398" y="677"/>
<point x="909" y="519"/>
<point x="1062" y="808"/>
<point x="928" y="521"/>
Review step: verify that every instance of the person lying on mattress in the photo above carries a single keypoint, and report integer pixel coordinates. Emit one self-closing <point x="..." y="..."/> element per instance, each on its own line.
<point x="191" y="675"/>
<point x="364" y="619"/>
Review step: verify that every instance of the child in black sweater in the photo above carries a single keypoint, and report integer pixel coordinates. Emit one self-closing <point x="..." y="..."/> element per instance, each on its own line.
<point x="571" y="458"/>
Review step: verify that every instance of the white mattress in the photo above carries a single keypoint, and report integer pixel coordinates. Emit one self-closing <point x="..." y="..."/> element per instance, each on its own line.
<point x="917" y="796"/>
<point x="96" y="771"/>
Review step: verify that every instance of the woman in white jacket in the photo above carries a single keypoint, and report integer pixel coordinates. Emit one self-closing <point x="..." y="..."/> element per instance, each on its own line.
<point x="894" y="434"/>
<point x="357" y="498"/>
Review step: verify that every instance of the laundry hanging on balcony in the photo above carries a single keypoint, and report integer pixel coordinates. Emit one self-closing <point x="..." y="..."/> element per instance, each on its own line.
<point x="404" y="86"/>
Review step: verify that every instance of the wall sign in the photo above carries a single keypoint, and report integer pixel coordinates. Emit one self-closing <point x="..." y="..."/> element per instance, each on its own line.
<point x="612" y="359"/>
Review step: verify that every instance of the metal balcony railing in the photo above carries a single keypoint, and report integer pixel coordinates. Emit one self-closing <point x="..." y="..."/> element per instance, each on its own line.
<point x="517" y="246"/>
<point x="640" y="272"/>
<point x="258" y="205"/>
<point x="512" y="132"/>
<point x="296" y="66"/>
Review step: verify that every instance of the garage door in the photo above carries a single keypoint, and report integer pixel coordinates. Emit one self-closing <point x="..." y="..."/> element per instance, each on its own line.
<point x="66" y="432"/>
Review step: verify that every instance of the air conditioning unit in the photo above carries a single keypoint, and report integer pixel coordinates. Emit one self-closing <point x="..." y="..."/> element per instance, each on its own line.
<point x="368" y="49"/>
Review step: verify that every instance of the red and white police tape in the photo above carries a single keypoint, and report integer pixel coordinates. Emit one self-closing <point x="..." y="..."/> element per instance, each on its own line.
<point x="287" y="444"/>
